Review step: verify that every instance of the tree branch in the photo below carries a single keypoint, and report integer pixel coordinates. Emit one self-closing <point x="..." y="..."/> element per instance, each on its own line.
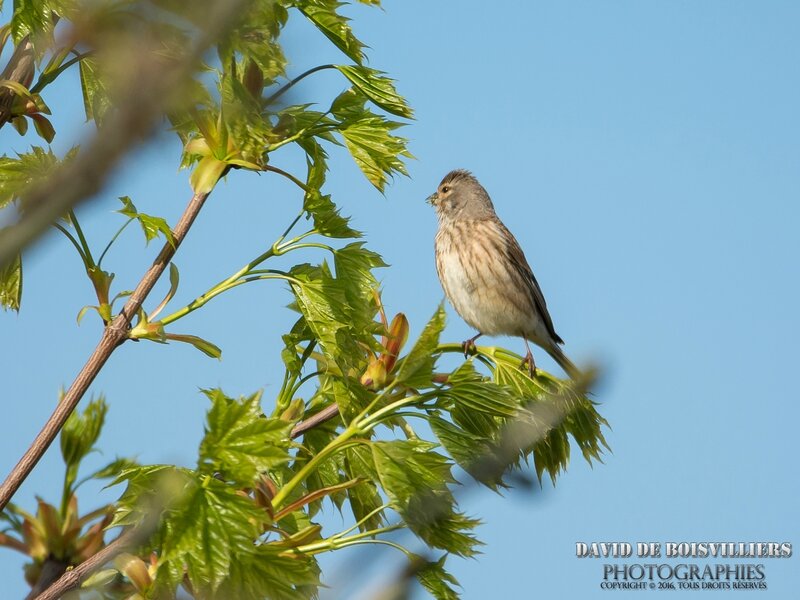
<point x="73" y="578"/>
<point x="326" y="414"/>
<point x="19" y="68"/>
<point x="113" y="335"/>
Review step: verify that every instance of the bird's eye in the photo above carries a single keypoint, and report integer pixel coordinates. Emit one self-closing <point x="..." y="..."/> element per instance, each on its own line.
<point x="445" y="189"/>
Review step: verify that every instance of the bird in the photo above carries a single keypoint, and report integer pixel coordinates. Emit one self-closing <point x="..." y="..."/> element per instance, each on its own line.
<point x="484" y="272"/>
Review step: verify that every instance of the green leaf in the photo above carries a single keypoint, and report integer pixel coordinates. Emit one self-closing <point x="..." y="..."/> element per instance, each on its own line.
<point x="320" y="207"/>
<point x="255" y="38"/>
<point x="43" y="127"/>
<point x="407" y="467"/>
<point x="322" y="301"/>
<point x="206" y="174"/>
<point x="369" y="139"/>
<point x="270" y="570"/>
<point x="113" y="469"/>
<point x="204" y="346"/>
<point x="364" y="498"/>
<point x="96" y="95"/>
<point x="378" y="88"/>
<point x="33" y="18"/>
<point x="546" y="399"/>
<point x="79" y="434"/>
<point x="436" y="580"/>
<point x="416" y="368"/>
<point x="469" y="450"/>
<point x="468" y="388"/>
<point x="432" y="516"/>
<point x="299" y="333"/>
<point x="323" y="14"/>
<point x="240" y="442"/>
<point x="207" y="529"/>
<point x="17" y="174"/>
<point x="11" y="284"/>
<point x="152" y="227"/>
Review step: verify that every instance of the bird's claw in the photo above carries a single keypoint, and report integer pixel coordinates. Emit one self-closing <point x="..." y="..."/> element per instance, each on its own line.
<point x="528" y="361"/>
<point x="469" y="347"/>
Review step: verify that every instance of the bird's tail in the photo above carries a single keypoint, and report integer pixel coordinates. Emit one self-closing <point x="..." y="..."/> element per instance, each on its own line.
<point x="569" y="367"/>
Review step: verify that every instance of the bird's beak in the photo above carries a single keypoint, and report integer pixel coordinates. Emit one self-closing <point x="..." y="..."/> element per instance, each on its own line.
<point x="433" y="198"/>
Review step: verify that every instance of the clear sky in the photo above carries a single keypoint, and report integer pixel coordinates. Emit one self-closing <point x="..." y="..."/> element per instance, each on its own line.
<point x="644" y="153"/>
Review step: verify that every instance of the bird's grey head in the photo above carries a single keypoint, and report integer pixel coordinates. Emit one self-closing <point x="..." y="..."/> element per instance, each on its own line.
<point x="461" y="196"/>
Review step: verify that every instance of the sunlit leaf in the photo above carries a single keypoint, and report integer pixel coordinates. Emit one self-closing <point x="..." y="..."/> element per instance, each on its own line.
<point x="417" y="367"/>
<point x="152" y="227"/>
<point x="79" y="435"/>
<point x="323" y="13"/>
<point x="11" y="284"/>
<point x="378" y="88"/>
<point x="240" y="442"/>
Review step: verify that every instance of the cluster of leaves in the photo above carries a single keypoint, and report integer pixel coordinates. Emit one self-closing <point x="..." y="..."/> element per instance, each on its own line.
<point x="248" y="510"/>
<point x="230" y="121"/>
<point x="244" y="522"/>
<point x="61" y="535"/>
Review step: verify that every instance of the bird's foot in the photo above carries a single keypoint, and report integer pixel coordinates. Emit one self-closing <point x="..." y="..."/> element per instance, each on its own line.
<point x="529" y="362"/>
<point x="468" y="346"/>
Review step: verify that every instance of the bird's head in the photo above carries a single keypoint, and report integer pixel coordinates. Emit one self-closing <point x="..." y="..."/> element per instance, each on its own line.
<point x="461" y="196"/>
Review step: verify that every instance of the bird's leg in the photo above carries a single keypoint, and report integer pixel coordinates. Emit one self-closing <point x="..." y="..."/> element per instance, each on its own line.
<point x="528" y="360"/>
<point x="468" y="346"/>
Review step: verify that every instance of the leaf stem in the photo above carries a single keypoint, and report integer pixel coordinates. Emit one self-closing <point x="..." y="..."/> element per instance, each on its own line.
<point x="363" y="520"/>
<point x="47" y="78"/>
<point x="88" y="260"/>
<point x="113" y="239"/>
<point x="295" y="81"/>
<point x="71" y="238"/>
<point x="373" y="419"/>
<point x="336" y="542"/>
<point x="288" y="176"/>
<point x="221" y="287"/>
<point x="335" y="444"/>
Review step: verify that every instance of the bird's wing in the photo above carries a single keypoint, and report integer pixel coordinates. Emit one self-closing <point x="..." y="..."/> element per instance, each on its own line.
<point x="517" y="257"/>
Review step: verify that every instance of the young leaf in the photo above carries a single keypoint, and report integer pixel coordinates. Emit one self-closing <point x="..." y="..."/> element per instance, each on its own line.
<point x="96" y="96"/>
<point x="204" y="346"/>
<point x="269" y="568"/>
<point x="378" y="88"/>
<point x="79" y="435"/>
<point x="16" y="174"/>
<point x="471" y="390"/>
<point x="323" y="14"/>
<point x="327" y="220"/>
<point x="415" y="479"/>
<point x="432" y="516"/>
<point x="33" y="18"/>
<point x="364" y="499"/>
<point x="436" y="580"/>
<point x="240" y="442"/>
<point x="417" y="367"/>
<point x="369" y="139"/>
<point x="323" y="302"/>
<point x="152" y="227"/>
<point x="409" y="467"/>
<point x="11" y="284"/>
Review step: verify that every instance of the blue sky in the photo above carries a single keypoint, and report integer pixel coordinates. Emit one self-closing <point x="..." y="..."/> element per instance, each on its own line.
<point x="645" y="154"/>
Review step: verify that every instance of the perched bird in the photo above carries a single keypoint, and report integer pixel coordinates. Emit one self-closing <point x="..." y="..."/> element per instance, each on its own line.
<point x="484" y="272"/>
